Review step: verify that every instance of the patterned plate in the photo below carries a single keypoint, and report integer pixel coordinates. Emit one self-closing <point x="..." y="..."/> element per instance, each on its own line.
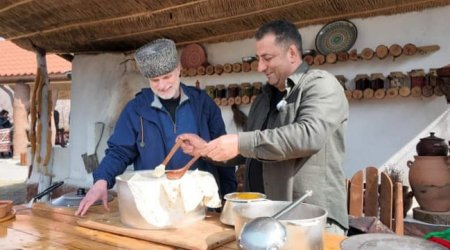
<point x="193" y="56"/>
<point x="377" y="241"/>
<point x="337" y="36"/>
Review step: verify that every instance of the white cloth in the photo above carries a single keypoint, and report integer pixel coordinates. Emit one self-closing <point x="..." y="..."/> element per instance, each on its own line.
<point x="163" y="202"/>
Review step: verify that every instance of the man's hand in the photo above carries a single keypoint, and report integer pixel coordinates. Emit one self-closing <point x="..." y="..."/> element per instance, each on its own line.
<point x="222" y="148"/>
<point x="98" y="192"/>
<point x="192" y="144"/>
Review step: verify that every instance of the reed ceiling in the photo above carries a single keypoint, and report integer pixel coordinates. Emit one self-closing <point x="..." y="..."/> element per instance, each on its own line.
<point x="80" y="26"/>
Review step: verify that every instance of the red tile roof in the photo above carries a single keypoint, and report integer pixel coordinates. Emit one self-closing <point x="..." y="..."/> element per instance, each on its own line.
<point x="15" y="61"/>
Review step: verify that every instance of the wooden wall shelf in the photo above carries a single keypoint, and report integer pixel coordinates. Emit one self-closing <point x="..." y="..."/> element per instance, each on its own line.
<point x="381" y="52"/>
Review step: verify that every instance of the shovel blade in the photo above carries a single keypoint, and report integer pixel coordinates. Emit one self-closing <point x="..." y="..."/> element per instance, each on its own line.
<point x="90" y="162"/>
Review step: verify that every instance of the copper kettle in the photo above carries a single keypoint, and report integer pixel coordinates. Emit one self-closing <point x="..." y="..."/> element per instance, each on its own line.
<point x="432" y="146"/>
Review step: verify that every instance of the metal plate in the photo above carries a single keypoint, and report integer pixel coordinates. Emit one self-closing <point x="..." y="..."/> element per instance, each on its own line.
<point x="387" y="241"/>
<point x="73" y="200"/>
<point x="337" y="36"/>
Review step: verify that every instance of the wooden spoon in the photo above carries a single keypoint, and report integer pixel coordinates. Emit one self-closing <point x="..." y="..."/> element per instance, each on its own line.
<point x="178" y="173"/>
<point x="161" y="168"/>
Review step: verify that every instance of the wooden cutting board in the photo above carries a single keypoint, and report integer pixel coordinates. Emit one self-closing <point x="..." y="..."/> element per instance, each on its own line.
<point x="206" y="234"/>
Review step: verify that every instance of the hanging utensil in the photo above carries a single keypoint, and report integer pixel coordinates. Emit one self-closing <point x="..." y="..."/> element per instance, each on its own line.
<point x="178" y="173"/>
<point x="161" y="168"/>
<point x="91" y="161"/>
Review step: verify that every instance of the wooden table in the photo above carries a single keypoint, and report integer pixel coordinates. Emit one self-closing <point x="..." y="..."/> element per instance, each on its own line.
<point x="45" y="227"/>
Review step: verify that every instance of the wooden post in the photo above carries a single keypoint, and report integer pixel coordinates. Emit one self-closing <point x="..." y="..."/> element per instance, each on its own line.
<point x="41" y="171"/>
<point x="20" y="104"/>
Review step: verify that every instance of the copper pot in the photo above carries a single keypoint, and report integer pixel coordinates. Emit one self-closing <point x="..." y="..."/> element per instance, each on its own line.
<point x="432" y="146"/>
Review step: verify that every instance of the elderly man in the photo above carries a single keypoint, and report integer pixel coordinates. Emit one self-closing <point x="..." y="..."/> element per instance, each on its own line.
<point x="149" y="124"/>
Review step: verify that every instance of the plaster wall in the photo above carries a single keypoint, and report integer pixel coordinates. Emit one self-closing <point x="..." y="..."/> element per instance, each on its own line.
<point x="377" y="130"/>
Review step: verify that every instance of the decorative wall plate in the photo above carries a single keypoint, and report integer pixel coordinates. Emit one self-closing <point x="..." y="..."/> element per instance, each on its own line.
<point x="337" y="36"/>
<point x="193" y="56"/>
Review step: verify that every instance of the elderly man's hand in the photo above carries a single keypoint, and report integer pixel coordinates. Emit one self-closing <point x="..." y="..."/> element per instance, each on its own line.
<point x="222" y="148"/>
<point x="192" y="144"/>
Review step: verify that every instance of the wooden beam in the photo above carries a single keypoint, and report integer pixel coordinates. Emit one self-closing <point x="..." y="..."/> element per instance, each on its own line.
<point x="31" y="78"/>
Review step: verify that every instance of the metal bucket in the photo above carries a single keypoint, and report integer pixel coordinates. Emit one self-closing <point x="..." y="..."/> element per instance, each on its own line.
<point x="305" y="223"/>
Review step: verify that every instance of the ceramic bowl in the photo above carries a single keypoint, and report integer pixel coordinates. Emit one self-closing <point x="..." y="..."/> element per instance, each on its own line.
<point x="5" y="207"/>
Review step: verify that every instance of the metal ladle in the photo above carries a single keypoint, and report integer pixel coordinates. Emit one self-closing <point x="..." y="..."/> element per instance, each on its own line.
<point x="267" y="232"/>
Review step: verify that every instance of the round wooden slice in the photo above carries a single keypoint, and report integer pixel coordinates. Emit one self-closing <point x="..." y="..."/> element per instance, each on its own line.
<point x="192" y="56"/>
<point x="409" y="49"/>
<point x="357" y="94"/>
<point x="192" y="71"/>
<point x="237" y="67"/>
<point x="201" y="70"/>
<point x="245" y="99"/>
<point x="252" y="99"/>
<point x="348" y="94"/>
<point x="184" y="72"/>
<point x="223" y="102"/>
<point x="309" y="59"/>
<point x="238" y="100"/>
<point x="438" y="91"/>
<point x="217" y="101"/>
<point x="319" y="59"/>
<point x="230" y="101"/>
<point x="342" y="56"/>
<point x="246" y="67"/>
<point x="227" y="68"/>
<point x="367" y="54"/>
<point x="353" y="55"/>
<point x="380" y="93"/>
<point x="427" y="91"/>
<point x="218" y="69"/>
<point x="392" y="92"/>
<point x="368" y="93"/>
<point x="416" y="91"/>
<point x="381" y="51"/>
<point x="404" y="91"/>
<point x="209" y="70"/>
<point x="395" y="50"/>
<point x="331" y="58"/>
